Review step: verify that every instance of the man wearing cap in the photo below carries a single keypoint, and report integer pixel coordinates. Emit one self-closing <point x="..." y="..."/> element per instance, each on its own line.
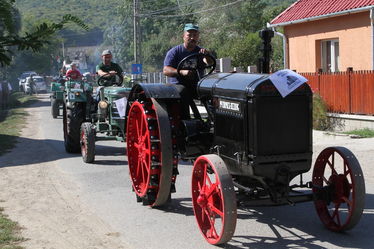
<point x="176" y="54"/>
<point x="108" y="68"/>
<point x="186" y="85"/>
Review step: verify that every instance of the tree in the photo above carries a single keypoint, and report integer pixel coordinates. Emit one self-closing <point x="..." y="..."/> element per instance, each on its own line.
<point x="246" y="51"/>
<point x="34" y="40"/>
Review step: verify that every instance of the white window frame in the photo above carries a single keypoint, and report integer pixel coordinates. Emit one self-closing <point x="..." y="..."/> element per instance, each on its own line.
<point x="330" y="64"/>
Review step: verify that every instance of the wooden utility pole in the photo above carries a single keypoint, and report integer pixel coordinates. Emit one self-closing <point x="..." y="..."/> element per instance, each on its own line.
<point x="137" y="37"/>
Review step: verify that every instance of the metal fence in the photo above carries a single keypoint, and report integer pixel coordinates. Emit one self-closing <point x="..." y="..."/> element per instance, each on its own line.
<point x="345" y="92"/>
<point x="155" y="77"/>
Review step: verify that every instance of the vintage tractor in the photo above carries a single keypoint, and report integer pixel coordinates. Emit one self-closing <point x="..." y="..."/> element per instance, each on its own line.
<point x="108" y="120"/>
<point x="57" y="96"/>
<point x="248" y="151"/>
<point x="77" y="107"/>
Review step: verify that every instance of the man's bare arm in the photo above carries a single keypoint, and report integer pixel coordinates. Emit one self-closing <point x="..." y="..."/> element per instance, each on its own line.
<point x="101" y="72"/>
<point x="172" y="72"/>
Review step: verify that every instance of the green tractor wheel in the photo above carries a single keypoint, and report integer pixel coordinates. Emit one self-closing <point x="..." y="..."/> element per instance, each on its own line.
<point x="55" y="104"/>
<point x="87" y="141"/>
<point x="72" y="120"/>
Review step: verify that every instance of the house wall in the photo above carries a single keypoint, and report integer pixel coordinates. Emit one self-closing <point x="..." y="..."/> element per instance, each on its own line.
<point x="355" y="42"/>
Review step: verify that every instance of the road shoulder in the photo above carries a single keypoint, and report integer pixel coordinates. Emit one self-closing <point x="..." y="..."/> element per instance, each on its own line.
<point x="44" y="201"/>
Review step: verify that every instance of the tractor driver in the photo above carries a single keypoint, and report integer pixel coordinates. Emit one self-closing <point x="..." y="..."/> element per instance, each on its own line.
<point x="74" y="73"/>
<point x="186" y="85"/>
<point x="107" y="68"/>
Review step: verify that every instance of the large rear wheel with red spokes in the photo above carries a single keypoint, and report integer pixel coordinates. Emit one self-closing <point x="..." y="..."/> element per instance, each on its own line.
<point x="214" y="199"/>
<point x="150" y="151"/>
<point x="339" y="187"/>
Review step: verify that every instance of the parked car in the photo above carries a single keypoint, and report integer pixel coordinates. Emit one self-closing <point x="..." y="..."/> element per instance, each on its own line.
<point x="40" y="84"/>
<point x="22" y="79"/>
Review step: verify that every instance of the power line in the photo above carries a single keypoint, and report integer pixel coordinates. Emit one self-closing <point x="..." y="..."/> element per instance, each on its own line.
<point x="193" y="13"/>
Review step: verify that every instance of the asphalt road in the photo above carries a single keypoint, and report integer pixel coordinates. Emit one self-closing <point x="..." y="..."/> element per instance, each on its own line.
<point x="106" y="187"/>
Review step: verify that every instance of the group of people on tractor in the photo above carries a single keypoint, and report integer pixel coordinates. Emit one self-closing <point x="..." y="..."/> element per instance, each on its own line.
<point x="185" y="80"/>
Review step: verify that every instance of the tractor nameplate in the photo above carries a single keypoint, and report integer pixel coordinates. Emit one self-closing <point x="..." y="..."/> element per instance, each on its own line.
<point x="229" y="105"/>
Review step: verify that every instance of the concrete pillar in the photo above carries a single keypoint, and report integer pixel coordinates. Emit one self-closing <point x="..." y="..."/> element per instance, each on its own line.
<point x="252" y="69"/>
<point x="238" y="70"/>
<point x="224" y="65"/>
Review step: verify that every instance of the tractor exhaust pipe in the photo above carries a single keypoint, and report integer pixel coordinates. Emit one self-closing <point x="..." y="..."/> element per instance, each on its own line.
<point x="264" y="61"/>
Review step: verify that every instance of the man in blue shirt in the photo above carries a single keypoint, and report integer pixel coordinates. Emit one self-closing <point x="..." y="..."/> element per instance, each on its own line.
<point x="176" y="54"/>
<point x="187" y="80"/>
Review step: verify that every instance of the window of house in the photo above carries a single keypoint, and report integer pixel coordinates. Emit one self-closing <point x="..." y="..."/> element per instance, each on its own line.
<point x="330" y="55"/>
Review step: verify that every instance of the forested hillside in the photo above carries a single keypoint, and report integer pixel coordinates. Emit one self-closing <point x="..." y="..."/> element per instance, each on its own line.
<point x="95" y="13"/>
<point x="228" y="27"/>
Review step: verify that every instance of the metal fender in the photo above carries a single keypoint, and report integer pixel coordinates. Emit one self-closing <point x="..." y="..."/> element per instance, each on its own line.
<point x="154" y="90"/>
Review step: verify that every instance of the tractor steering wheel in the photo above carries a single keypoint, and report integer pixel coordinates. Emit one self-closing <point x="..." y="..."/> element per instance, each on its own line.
<point x="106" y="80"/>
<point x="195" y="62"/>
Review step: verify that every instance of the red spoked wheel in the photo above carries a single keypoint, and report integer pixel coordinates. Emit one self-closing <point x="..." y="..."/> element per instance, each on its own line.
<point x="150" y="153"/>
<point x="214" y="199"/>
<point x="339" y="187"/>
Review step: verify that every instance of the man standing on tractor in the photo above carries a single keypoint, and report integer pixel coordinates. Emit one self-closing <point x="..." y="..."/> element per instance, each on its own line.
<point x="185" y="80"/>
<point x="74" y="73"/>
<point x="107" y="68"/>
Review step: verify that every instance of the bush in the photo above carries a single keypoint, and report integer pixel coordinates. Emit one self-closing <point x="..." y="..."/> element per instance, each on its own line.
<point x="320" y="119"/>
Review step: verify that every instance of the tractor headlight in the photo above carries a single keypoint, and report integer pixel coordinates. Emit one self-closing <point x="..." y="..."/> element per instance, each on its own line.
<point x="77" y="93"/>
<point x="103" y="104"/>
<point x="102" y="110"/>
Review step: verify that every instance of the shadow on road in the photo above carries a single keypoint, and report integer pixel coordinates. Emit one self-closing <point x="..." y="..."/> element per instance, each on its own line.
<point x="33" y="151"/>
<point x="37" y="104"/>
<point x="302" y="217"/>
<point x="292" y="226"/>
<point x="181" y="206"/>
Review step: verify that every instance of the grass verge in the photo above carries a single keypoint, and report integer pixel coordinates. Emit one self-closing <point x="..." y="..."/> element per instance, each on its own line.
<point x="9" y="230"/>
<point x="12" y="120"/>
<point x="362" y="133"/>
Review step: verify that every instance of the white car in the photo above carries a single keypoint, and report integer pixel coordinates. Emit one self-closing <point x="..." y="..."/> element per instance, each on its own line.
<point x="22" y="79"/>
<point x="40" y="84"/>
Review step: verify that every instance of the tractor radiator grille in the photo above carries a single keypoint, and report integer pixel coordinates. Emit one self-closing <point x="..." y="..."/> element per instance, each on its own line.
<point x="283" y="126"/>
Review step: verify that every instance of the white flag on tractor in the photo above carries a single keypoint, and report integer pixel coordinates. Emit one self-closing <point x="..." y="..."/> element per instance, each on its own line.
<point x="121" y="105"/>
<point x="286" y="81"/>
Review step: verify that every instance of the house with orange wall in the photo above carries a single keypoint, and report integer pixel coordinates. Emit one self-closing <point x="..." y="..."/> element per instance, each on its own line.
<point x="328" y="35"/>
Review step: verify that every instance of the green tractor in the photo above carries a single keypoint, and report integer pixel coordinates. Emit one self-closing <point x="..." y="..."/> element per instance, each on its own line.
<point x="77" y="108"/>
<point x="108" y="121"/>
<point x="57" y="97"/>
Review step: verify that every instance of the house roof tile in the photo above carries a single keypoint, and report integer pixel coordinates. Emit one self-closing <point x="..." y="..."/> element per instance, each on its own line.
<point x="303" y="9"/>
